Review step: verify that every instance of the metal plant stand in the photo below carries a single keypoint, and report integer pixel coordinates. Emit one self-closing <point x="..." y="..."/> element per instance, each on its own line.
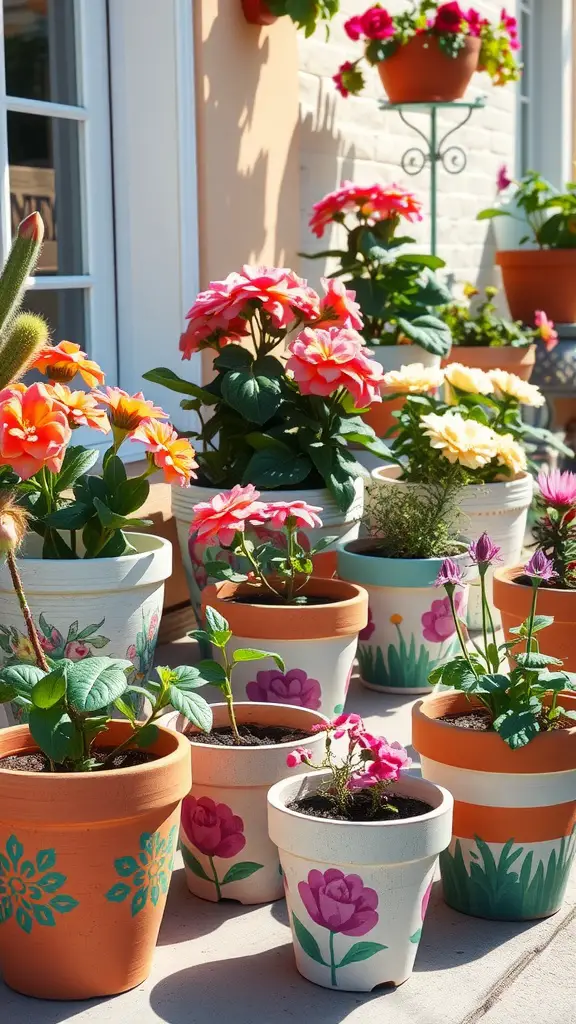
<point x="453" y="158"/>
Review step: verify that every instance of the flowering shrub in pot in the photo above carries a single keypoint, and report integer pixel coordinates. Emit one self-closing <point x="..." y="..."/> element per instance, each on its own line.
<point x="312" y="622"/>
<point x="430" y="52"/>
<point x="503" y="741"/>
<point x="555" y="535"/>
<point x="358" y="843"/>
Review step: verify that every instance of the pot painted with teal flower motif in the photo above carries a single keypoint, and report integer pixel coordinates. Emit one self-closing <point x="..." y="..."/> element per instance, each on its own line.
<point x="357" y="892"/>
<point x="410" y="628"/>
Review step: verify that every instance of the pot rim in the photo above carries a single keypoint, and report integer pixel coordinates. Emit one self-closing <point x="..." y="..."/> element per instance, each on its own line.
<point x="400" y="573"/>
<point x="421" y="42"/>
<point x="509" y="257"/>
<point x="379" y="474"/>
<point x="506" y="575"/>
<point x="162" y="545"/>
<point x="239" y="705"/>
<point x="529" y="349"/>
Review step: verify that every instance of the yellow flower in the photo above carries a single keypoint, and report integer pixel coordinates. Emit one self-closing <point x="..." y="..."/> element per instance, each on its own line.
<point x="396" y="619"/>
<point x="511" y="454"/>
<point x="508" y="385"/>
<point x="415" y="379"/>
<point x="465" y="378"/>
<point x="467" y="442"/>
<point x="470" y="291"/>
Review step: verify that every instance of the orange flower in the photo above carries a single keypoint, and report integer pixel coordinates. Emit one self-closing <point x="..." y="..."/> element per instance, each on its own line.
<point x="127" y="412"/>
<point x="63" y="361"/>
<point x="34" y="431"/>
<point x="81" y="408"/>
<point x="173" y="454"/>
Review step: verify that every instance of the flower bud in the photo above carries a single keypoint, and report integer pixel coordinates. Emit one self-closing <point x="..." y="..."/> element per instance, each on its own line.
<point x="32" y="227"/>
<point x="9" y="538"/>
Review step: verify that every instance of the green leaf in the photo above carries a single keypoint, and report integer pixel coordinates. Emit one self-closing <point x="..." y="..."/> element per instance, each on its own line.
<point x="534" y="660"/>
<point x="190" y="677"/>
<point x="273" y="468"/>
<point x="458" y="675"/>
<point x="130" y="496"/>
<point x="492" y="212"/>
<point x="215" y="622"/>
<point x="113" y="521"/>
<point x="77" y="461"/>
<point x="251" y="654"/>
<point x="194" y="864"/>
<point x="540" y="622"/>
<point x="53" y="731"/>
<point x="49" y="690"/>
<point x="423" y="260"/>
<point x="7" y="692"/>
<point x="147" y="736"/>
<point x="307" y="941"/>
<point x="240" y="871"/>
<point x="114" y="473"/>
<point x="209" y="671"/>
<point x="55" y="546"/>
<point x="169" y="379"/>
<point x="72" y="517"/>
<point x="517" y="727"/>
<point x="192" y="706"/>
<point x="256" y="397"/>
<point x="223" y="571"/>
<point x="361" y="951"/>
<point x="432" y="334"/>
<point x="95" y="683"/>
<point x="261" y="442"/>
<point x="233" y="357"/>
<point x="125" y="709"/>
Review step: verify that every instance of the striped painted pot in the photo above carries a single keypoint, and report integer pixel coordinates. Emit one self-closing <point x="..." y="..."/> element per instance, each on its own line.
<point x="514" y="832"/>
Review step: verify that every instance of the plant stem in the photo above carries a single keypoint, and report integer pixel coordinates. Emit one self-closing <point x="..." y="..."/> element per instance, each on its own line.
<point x="484" y="630"/>
<point x="257" y="571"/>
<point x="216" y="879"/>
<point x="333" y="981"/>
<point x="229" y="698"/>
<point x="459" y="629"/>
<point x="130" y="739"/>
<point x="535" y="585"/>
<point x="19" y="589"/>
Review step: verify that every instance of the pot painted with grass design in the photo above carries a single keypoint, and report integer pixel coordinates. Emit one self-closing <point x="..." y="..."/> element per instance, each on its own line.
<point x="224" y="838"/>
<point x="514" y="832"/>
<point x="317" y="642"/>
<point x="410" y="628"/>
<point x="357" y="892"/>
<point x="85" y="865"/>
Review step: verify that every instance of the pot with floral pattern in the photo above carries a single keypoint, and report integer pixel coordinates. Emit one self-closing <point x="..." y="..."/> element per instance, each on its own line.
<point x="410" y="629"/>
<point x="85" y="864"/>
<point x="87" y="607"/>
<point x="224" y="834"/>
<point x="357" y="891"/>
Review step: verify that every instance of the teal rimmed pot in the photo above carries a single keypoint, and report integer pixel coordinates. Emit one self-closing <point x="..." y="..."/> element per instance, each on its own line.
<point x="410" y="628"/>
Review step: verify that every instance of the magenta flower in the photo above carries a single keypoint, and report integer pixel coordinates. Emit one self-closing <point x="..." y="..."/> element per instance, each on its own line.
<point x="450" y="573"/>
<point x="293" y="687"/>
<point x="299" y="756"/>
<point x="339" y="902"/>
<point x="369" y="628"/>
<point x="438" y="623"/>
<point x="540" y="567"/>
<point x="353" y="28"/>
<point x="483" y="551"/>
<point x="388" y="760"/>
<point x="502" y="178"/>
<point x="558" y="488"/>
<point x="212" y="828"/>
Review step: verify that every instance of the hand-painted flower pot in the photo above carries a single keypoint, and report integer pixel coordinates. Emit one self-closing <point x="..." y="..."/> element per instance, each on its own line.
<point x="317" y="642"/>
<point x="357" y="892"/>
<point x="410" y="628"/>
<point x="85" y="865"/>
<point x="420" y="71"/>
<point x="513" y="601"/>
<point x="514" y="834"/>
<point x="493" y="357"/>
<point x="338" y="524"/>
<point x="539" y="279"/>
<point x="224" y="833"/>
<point x="257" y="12"/>
<point x="87" y="607"/>
<point x="500" y="509"/>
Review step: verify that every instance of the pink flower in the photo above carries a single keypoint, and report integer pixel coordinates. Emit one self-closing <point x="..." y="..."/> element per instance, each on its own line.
<point x="483" y="551"/>
<point x="546" y="330"/>
<point x="369" y="628"/>
<point x="153" y="626"/>
<point x="344" y="77"/>
<point x="341" y="903"/>
<point x="131" y="653"/>
<point x="540" y="567"/>
<point x="298" y="756"/>
<point x="377" y="23"/>
<point x="277" y="512"/>
<point x="372" y="202"/>
<point x="449" y="18"/>
<point x="322" y="362"/>
<point x="50" y="643"/>
<point x="510" y="24"/>
<point x="475" y="22"/>
<point x="212" y="828"/>
<point x="503" y="179"/>
<point x="293" y="687"/>
<point x="278" y="291"/>
<point x="450" y="573"/>
<point x="353" y="28"/>
<point x="438" y="623"/>
<point x="76" y="650"/>
<point x="337" y="307"/>
<point x="204" y="333"/>
<point x="352" y="725"/>
<point x="558" y="488"/>
<point x="387" y="761"/>
<point x="226" y="514"/>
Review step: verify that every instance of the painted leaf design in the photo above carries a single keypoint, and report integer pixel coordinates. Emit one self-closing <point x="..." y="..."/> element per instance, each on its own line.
<point x="45" y="859"/>
<point x="5" y="909"/>
<point x="24" y="920"/>
<point x="146" y="842"/>
<point x="194" y="864"/>
<point x="14" y="849"/>
<point x="240" y="871"/>
<point x="27" y="869"/>
<point x="307" y="941"/>
<point x="416" y="936"/>
<point x="139" y="901"/>
<point x="4" y="865"/>
<point x="63" y="904"/>
<point x="43" y="915"/>
<point x="52" y="881"/>
<point x="155" y="894"/>
<point x="126" y="866"/>
<point x="361" y="951"/>
<point x="118" y="892"/>
<point x="338" y="709"/>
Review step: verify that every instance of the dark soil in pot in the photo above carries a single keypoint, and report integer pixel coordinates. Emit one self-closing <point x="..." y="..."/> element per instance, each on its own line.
<point x="251" y="735"/>
<point x="319" y="805"/>
<point x="278" y="602"/>
<point x="481" y="721"/>
<point x="38" y="762"/>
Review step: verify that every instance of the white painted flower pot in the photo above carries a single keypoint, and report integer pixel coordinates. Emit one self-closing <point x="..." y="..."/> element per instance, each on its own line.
<point x="317" y="643"/>
<point x="393" y="357"/>
<point x="224" y="833"/>
<point x="500" y="509"/>
<point x="87" y="607"/>
<point x="410" y="628"/>
<point x="357" y="892"/>
<point x="338" y="524"/>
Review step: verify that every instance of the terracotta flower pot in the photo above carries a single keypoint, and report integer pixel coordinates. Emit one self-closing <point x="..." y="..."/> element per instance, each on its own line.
<point x="514" y="828"/>
<point x="513" y="601"/>
<point x="317" y="642"/>
<point x="85" y="865"/>
<point x="357" y="892"/>
<point x="257" y="12"/>
<point x="420" y="71"/>
<point x="539" y="279"/>
<point x="224" y="833"/>
<point x="490" y="357"/>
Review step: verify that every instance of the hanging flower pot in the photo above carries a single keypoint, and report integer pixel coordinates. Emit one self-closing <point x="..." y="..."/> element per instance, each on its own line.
<point x="257" y="12"/>
<point x="540" y="279"/>
<point x="421" y="72"/>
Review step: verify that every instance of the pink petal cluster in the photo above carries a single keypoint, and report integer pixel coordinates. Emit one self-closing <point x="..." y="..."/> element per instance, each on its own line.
<point x="450" y="19"/>
<point x="323" y="362"/>
<point x="337" y="307"/>
<point x="201" y="333"/>
<point x="226" y="514"/>
<point x="510" y="25"/>
<point x="298" y="756"/>
<point x="546" y="330"/>
<point x="557" y="488"/>
<point x="277" y="512"/>
<point x="372" y="202"/>
<point x="386" y="761"/>
<point x="503" y="179"/>
<point x="375" y="23"/>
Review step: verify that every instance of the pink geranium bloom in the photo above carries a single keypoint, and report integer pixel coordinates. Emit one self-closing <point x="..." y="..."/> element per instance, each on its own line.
<point x="322" y="362"/>
<point x="34" y="430"/>
<point x="449" y="18"/>
<point x="373" y="202"/>
<point x="226" y="514"/>
<point x="280" y="292"/>
<point x="353" y="28"/>
<point x="377" y="23"/>
<point x="204" y="332"/>
<point x="388" y="760"/>
<point x="558" y="488"/>
<point x="502" y="178"/>
<point x="338" y="308"/>
<point x="546" y="330"/>
<point x="277" y="512"/>
<point x="299" y="756"/>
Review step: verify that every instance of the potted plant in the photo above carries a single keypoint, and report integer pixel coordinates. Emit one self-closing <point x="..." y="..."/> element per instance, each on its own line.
<point x="358" y="843"/>
<point x="429" y="53"/>
<point x="410" y="628"/>
<point x="488" y="341"/>
<point x="398" y="292"/>
<point x="503" y="741"/>
<point x="555" y="533"/>
<point x="476" y="427"/>
<point x="282" y="424"/>
<point x="313" y="622"/>
<point x="304" y="13"/>
<point x="223" y="834"/>
<point x="541" y="277"/>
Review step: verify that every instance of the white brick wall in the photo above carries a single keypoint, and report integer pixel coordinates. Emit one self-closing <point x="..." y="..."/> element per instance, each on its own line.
<point x="353" y="139"/>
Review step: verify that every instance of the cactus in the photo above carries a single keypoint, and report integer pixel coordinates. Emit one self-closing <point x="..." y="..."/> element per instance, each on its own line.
<point x="22" y="336"/>
<point x="28" y="335"/>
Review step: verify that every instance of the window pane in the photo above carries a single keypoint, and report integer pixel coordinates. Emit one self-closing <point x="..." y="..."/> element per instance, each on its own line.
<point x="63" y="310"/>
<point x="40" y="50"/>
<point x="45" y="176"/>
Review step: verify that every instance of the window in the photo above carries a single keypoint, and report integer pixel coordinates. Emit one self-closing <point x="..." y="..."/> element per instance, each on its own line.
<point x="524" y="159"/>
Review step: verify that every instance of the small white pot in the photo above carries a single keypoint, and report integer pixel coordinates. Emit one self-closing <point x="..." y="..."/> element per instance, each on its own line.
<point x="393" y="357"/>
<point x="357" y="892"/>
<point x="224" y="833"/>
<point x="338" y="524"/>
<point x="86" y="607"/>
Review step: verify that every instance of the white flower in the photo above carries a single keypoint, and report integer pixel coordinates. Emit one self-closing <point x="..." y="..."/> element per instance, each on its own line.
<point x="467" y="442"/>
<point x="466" y="378"/>
<point x="414" y="379"/>
<point x="511" y="453"/>
<point x="508" y="385"/>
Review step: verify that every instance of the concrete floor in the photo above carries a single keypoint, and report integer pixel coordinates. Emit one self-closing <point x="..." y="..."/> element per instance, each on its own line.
<point x="228" y="964"/>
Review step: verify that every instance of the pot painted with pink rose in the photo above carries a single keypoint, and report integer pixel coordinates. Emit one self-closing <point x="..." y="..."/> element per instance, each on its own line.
<point x="224" y="838"/>
<point x="357" y="892"/>
<point x="410" y="628"/>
